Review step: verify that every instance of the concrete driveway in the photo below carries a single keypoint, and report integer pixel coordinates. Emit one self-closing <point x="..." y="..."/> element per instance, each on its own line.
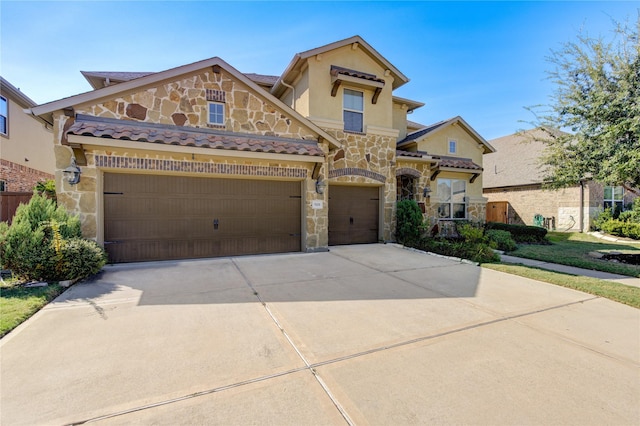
<point x="371" y="334"/>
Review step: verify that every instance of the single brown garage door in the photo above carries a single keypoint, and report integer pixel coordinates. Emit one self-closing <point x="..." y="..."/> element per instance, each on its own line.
<point x="353" y="214"/>
<point x="148" y="217"/>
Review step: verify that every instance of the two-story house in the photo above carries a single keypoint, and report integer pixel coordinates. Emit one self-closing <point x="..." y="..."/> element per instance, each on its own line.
<point x="25" y="143"/>
<point x="203" y="160"/>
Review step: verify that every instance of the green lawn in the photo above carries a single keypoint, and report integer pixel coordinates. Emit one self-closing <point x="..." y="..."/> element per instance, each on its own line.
<point x="573" y="249"/>
<point x="17" y="303"/>
<point x="614" y="291"/>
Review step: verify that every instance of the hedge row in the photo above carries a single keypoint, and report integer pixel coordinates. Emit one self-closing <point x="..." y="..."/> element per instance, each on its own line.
<point x="521" y="233"/>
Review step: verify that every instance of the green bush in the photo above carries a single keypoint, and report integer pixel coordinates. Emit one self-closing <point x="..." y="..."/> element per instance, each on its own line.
<point x="409" y="222"/>
<point x="470" y="233"/>
<point x="478" y="252"/>
<point x="622" y="229"/>
<point x="601" y="218"/>
<point x="501" y="239"/>
<point x="633" y="214"/>
<point x="521" y="233"/>
<point x="42" y="241"/>
<point x="81" y="258"/>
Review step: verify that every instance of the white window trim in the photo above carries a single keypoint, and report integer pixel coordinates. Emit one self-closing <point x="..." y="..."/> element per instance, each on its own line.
<point x="6" y="117"/>
<point x="209" y="113"/>
<point x="353" y="110"/>
<point x="455" y="146"/>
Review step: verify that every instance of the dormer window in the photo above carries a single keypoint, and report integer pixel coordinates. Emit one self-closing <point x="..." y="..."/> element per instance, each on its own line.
<point x="353" y="110"/>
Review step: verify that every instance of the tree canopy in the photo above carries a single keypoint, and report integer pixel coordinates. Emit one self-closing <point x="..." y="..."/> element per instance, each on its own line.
<point x="597" y="103"/>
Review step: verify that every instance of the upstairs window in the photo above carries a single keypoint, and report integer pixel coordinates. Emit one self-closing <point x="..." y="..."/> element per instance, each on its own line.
<point x="216" y="113"/>
<point x="353" y="110"/>
<point x="3" y="116"/>
<point x="614" y="198"/>
<point x="453" y="146"/>
<point x="451" y="199"/>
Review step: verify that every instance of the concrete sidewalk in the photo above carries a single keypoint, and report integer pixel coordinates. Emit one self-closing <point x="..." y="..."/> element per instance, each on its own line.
<point x="621" y="279"/>
<point x="370" y="334"/>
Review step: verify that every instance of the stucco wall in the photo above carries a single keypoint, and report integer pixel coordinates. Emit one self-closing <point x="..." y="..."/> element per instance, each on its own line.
<point x="324" y="106"/>
<point x="26" y="151"/>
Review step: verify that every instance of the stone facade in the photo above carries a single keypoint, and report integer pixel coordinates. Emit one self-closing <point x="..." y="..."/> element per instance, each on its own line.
<point x="19" y="178"/>
<point x="184" y="103"/>
<point x="367" y="159"/>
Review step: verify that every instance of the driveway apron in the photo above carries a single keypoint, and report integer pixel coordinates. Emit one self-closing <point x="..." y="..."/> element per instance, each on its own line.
<point x="365" y="334"/>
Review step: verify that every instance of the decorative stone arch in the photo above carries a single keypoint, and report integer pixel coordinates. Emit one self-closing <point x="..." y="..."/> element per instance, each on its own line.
<point x="408" y="171"/>
<point x="354" y="171"/>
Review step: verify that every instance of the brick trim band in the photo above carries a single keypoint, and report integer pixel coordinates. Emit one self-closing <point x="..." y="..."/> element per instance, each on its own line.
<point x="354" y="171"/>
<point x="408" y="171"/>
<point x="116" y="162"/>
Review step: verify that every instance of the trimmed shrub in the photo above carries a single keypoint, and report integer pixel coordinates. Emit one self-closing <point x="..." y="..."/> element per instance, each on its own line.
<point x="409" y="222"/>
<point x="81" y="258"/>
<point x="42" y="242"/>
<point x="521" y="233"/>
<point x="622" y="229"/>
<point x="470" y="233"/>
<point x="501" y="239"/>
<point x="478" y="252"/>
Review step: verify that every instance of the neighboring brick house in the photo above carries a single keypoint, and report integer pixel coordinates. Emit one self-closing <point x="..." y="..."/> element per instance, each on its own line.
<point x="25" y="143"/>
<point x="513" y="186"/>
<point x="202" y="160"/>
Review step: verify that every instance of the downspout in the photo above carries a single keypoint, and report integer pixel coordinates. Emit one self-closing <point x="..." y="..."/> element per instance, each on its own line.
<point x="581" y="215"/>
<point x="293" y="93"/>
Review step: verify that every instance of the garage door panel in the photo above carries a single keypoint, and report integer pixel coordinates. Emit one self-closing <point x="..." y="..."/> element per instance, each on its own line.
<point x="353" y="215"/>
<point x="166" y="217"/>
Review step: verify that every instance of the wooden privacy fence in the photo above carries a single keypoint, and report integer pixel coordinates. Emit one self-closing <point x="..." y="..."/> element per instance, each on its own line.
<point x="9" y="202"/>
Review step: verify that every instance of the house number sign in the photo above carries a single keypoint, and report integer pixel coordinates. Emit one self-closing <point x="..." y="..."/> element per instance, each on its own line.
<point x="317" y="204"/>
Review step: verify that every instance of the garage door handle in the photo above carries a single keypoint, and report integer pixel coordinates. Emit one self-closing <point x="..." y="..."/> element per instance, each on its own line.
<point x="215" y="224"/>
<point x="350" y="221"/>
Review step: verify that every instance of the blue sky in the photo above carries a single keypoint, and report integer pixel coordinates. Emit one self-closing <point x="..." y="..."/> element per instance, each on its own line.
<point x="484" y="61"/>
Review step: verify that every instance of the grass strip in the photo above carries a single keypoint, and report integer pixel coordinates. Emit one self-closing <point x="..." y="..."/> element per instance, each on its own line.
<point x="18" y="303"/>
<point x="622" y="293"/>
<point x="572" y="249"/>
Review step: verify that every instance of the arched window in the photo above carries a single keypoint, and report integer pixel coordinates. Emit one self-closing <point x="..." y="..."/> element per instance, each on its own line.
<point x="406" y="187"/>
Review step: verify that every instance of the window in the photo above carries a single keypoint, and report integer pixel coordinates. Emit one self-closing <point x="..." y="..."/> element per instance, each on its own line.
<point x="216" y="113"/>
<point x="3" y="115"/>
<point x="3" y="186"/>
<point x="453" y="146"/>
<point x="353" y="105"/>
<point x="451" y="199"/>
<point x="406" y="187"/>
<point x="614" y="198"/>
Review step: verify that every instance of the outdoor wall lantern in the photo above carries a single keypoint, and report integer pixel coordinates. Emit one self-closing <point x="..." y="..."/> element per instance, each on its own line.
<point x="72" y="173"/>
<point x="426" y="192"/>
<point x="320" y="185"/>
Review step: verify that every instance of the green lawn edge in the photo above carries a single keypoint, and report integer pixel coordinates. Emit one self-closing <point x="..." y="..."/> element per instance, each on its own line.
<point x="617" y="292"/>
<point x="19" y="303"/>
<point x="571" y="249"/>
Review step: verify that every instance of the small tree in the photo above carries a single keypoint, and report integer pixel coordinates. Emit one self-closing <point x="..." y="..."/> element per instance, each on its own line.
<point x="409" y="222"/>
<point x="597" y="99"/>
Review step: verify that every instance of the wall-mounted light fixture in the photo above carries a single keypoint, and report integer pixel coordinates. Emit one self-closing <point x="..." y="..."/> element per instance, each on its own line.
<point x="320" y="185"/>
<point x="72" y="173"/>
<point x="426" y="192"/>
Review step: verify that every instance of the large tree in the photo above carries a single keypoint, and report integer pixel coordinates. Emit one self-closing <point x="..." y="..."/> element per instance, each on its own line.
<point x="597" y="102"/>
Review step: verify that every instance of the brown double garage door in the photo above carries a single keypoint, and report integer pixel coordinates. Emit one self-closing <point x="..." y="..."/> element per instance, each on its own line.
<point x="151" y="217"/>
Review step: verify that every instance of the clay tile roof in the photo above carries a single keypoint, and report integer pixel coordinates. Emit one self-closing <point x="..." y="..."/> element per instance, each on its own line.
<point x="335" y="70"/>
<point x="202" y="138"/>
<point x="401" y="153"/>
<point x="457" y="163"/>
